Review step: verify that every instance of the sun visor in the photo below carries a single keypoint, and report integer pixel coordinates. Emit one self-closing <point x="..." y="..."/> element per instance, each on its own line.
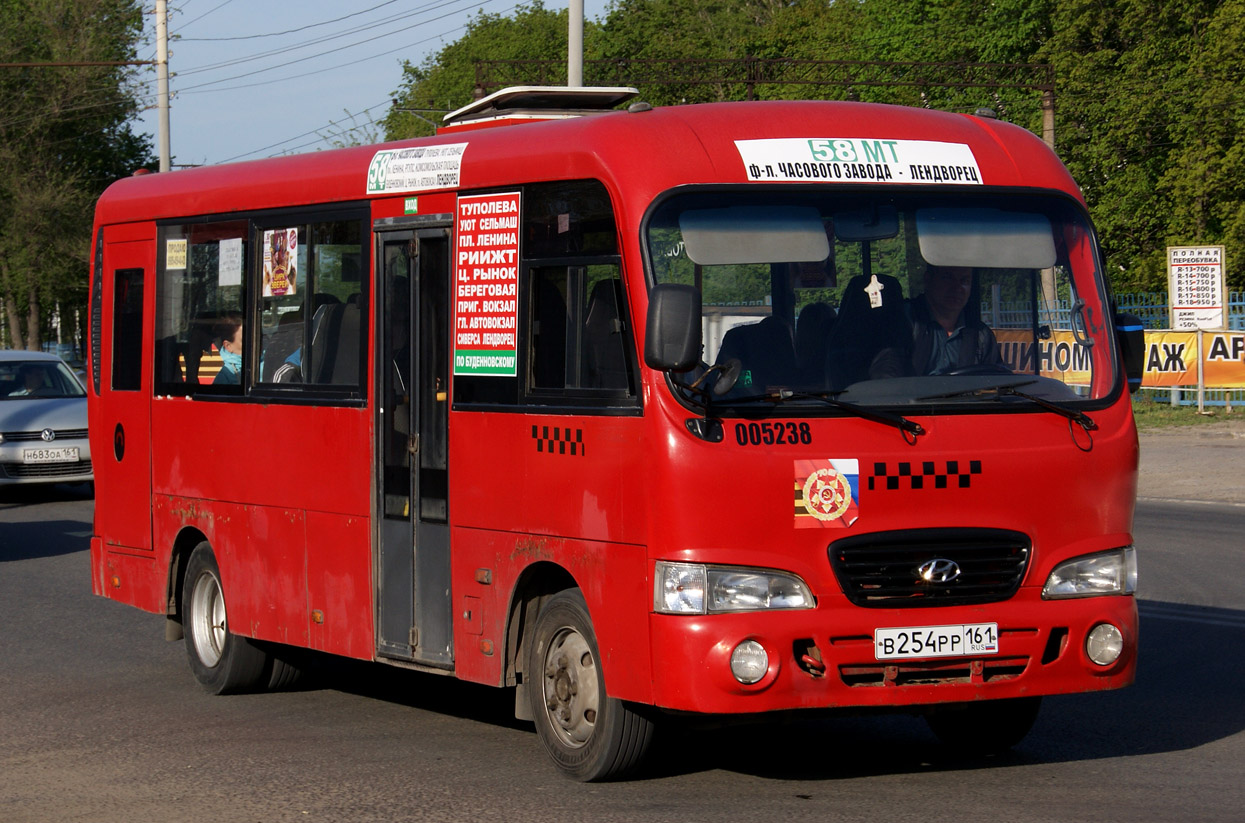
<point x="754" y="234"/>
<point x="985" y="238"/>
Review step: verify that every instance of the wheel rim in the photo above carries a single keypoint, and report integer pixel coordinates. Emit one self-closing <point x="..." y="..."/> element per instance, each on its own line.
<point x="208" y="625"/>
<point x="570" y="688"/>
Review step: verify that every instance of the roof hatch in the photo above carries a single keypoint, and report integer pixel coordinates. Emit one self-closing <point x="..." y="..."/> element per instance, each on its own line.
<point x="520" y="103"/>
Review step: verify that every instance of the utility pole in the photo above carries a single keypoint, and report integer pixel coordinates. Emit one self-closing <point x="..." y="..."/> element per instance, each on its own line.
<point x="162" y="81"/>
<point x="575" y="44"/>
<point x="1048" y="117"/>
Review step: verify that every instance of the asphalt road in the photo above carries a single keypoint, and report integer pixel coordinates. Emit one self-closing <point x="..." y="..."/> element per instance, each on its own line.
<point x="100" y="720"/>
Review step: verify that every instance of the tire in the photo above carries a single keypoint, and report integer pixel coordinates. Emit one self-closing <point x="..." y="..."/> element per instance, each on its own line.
<point x="221" y="661"/>
<point x="986" y="728"/>
<point x="589" y="735"/>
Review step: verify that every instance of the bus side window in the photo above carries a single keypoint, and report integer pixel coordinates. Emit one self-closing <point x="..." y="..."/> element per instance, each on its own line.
<point x="605" y="356"/>
<point x="314" y="333"/>
<point x="548" y="328"/>
<point x="576" y="331"/>
<point x="201" y="277"/>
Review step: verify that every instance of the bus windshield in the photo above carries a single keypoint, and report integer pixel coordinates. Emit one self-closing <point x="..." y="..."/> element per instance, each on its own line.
<point x="926" y="298"/>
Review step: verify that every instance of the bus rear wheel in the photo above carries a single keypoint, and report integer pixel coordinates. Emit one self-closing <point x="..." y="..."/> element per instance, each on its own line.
<point x="985" y="728"/>
<point x="221" y="661"/>
<point x="588" y="734"/>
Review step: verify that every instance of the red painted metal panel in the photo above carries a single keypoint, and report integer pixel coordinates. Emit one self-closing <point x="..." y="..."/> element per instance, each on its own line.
<point x="614" y="580"/>
<point x="133" y="578"/>
<point x="339" y="584"/>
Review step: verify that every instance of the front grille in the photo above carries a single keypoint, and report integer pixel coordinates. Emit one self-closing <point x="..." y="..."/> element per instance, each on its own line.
<point x="26" y="471"/>
<point x="933" y="672"/>
<point x="61" y="434"/>
<point x="881" y="570"/>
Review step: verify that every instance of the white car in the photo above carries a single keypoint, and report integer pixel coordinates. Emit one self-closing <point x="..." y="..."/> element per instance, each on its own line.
<point x="43" y="428"/>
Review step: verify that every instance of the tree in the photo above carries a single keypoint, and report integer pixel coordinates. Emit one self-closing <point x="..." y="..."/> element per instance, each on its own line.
<point x="1149" y="96"/>
<point x="64" y="136"/>
<point x="446" y="80"/>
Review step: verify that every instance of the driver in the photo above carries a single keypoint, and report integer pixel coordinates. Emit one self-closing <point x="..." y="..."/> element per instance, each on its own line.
<point x="946" y="335"/>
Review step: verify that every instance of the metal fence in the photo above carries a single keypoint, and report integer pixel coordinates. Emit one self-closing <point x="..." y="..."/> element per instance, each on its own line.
<point x="1154" y="311"/>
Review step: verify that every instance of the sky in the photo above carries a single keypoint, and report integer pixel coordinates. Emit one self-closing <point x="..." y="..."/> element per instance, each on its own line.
<point x="261" y="78"/>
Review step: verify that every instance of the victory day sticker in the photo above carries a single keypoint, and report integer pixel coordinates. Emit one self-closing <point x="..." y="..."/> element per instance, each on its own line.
<point x="854" y="160"/>
<point x="827" y="493"/>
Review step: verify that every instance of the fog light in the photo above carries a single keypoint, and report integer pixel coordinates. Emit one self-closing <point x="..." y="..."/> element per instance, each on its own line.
<point x="1105" y="644"/>
<point x="749" y="662"/>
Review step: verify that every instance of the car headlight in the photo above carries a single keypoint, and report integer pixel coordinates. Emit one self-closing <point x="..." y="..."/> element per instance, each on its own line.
<point x="1113" y="572"/>
<point x="690" y="588"/>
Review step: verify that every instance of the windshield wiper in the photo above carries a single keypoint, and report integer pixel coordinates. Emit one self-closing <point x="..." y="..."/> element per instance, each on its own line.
<point x="1080" y="418"/>
<point x="978" y="390"/>
<point x="1012" y="389"/>
<point x="897" y="421"/>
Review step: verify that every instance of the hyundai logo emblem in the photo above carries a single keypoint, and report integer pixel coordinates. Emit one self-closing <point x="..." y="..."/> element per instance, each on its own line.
<point x="938" y="570"/>
<point x="48" y="435"/>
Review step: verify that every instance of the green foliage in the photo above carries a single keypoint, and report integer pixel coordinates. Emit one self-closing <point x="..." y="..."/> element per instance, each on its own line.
<point x="64" y="136"/>
<point x="1149" y="103"/>
<point x="446" y="80"/>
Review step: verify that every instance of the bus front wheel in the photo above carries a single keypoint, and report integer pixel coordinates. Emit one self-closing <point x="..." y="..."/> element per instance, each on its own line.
<point x="588" y="734"/>
<point x="221" y="661"/>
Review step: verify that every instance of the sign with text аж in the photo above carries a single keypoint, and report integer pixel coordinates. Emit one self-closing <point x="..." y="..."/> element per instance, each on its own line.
<point x="486" y="285"/>
<point x="1195" y="278"/>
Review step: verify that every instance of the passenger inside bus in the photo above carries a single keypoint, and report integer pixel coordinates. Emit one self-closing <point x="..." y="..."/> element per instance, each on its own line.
<point x="228" y="331"/>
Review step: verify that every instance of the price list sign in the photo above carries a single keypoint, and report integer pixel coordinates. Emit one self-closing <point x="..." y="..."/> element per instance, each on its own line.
<point x="1195" y="278"/>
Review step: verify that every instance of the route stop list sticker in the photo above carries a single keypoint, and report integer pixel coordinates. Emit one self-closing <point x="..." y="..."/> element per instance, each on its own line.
<point x="486" y="281"/>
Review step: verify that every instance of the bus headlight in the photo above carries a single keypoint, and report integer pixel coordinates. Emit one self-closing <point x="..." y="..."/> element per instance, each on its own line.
<point x="1113" y="572"/>
<point x="690" y="588"/>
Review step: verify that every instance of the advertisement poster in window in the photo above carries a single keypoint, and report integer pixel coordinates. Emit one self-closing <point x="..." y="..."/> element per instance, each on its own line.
<point x="486" y="285"/>
<point x="280" y="267"/>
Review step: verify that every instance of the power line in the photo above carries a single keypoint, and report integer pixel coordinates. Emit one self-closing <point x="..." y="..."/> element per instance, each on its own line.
<point x="206" y="13"/>
<point x="316" y="130"/>
<point x="199" y="89"/>
<point x="330" y="37"/>
<point x="288" y="31"/>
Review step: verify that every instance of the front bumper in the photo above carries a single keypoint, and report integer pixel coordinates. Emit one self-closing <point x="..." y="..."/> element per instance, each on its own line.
<point x="824" y="657"/>
<point x="14" y="469"/>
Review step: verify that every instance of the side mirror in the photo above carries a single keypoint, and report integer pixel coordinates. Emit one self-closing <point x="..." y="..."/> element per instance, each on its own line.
<point x="1131" y="334"/>
<point x="672" y="333"/>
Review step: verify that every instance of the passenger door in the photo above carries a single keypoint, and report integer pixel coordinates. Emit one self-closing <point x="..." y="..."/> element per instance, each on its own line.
<point x="413" y="567"/>
<point x="120" y="430"/>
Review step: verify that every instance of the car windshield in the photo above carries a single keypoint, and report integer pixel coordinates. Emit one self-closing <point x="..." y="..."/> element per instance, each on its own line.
<point x="880" y="298"/>
<point x="35" y="379"/>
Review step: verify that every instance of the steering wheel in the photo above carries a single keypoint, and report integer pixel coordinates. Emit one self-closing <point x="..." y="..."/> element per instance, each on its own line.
<point x="979" y="368"/>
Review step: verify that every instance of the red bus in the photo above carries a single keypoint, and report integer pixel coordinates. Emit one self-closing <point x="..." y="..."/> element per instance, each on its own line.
<point x="721" y="409"/>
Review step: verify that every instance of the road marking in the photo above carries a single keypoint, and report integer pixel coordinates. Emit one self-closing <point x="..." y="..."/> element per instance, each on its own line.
<point x="1190" y="502"/>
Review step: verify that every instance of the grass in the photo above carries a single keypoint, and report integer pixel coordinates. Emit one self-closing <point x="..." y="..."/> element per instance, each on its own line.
<point x="1154" y="413"/>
